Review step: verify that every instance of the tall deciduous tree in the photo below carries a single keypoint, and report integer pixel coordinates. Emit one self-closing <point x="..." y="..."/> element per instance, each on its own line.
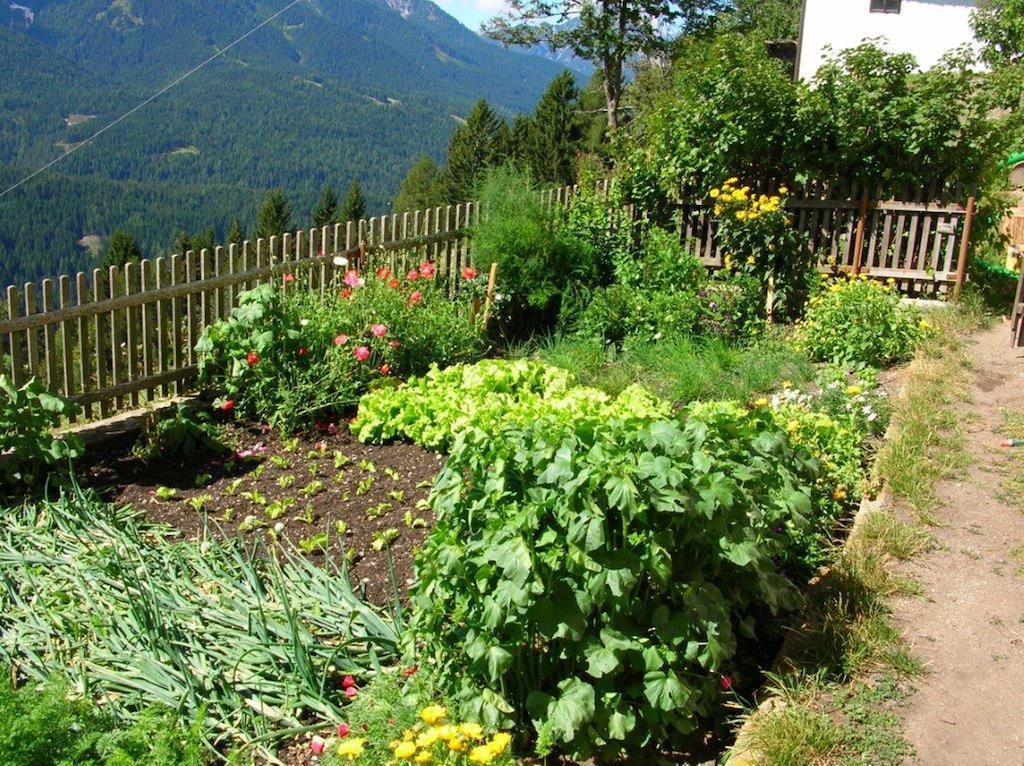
<point x="606" y="32"/>
<point x="327" y="208"/>
<point x="354" y="207"/>
<point x="121" y="249"/>
<point x="275" y="215"/>
<point x="421" y="188"/>
<point x="480" y="143"/>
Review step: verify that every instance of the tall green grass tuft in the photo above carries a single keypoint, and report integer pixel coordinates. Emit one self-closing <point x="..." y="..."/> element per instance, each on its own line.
<point x="679" y="369"/>
<point x="251" y="644"/>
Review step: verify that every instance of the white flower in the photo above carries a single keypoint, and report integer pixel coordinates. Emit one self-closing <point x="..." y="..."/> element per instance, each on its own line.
<point x="278" y="528"/>
<point x="340" y="260"/>
<point x="303" y="322"/>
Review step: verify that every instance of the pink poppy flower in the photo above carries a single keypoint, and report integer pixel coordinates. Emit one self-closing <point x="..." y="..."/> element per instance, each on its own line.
<point x="725" y="682"/>
<point x="415" y="298"/>
<point x="394" y="343"/>
<point x="343" y="730"/>
<point x="383" y="272"/>
<point x="316" y="745"/>
<point x="469" y="273"/>
<point x="348" y="682"/>
<point x="288" y="277"/>
<point x="413" y="275"/>
<point x="362" y="353"/>
<point x="385" y="369"/>
<point x="379" y="330"/>
<point x="427" y="270"/>
<point x="351" y="692"/>
<point x="341" y="340"/>
<point x="351" y="278"/>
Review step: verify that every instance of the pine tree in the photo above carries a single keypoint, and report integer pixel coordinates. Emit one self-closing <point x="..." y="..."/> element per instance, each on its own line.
<point x="121" y="249"/>
<point x="182" y="243"/>
<point x="480" y="143"/>
<point x="204" y="240"/>
<point x="327" y="209"/>
<point x="236" y="236"/>
<point x="275" y="216"/>
<point x="421" y="188"/>
<point x="354" y="207"/>
<point x="555" y="133"/>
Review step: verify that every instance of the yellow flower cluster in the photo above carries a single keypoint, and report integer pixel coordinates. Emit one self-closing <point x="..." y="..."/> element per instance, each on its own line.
<point x="351" y="748"/>
<point x="435" y="741"/>
<point x="744" y="205"/>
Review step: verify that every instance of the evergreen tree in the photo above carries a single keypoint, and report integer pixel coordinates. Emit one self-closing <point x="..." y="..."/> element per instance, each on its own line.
<point x="236" y="236"/>
<point x="421" y="188"/>
<point x="326" y="210"/>
<point x="555" y="133"/>
<point x="182" y="243"/>
<point x="354" y="207"/>
<point x="121" y="249"/>
<point x="204" y="240"/>
<point x="519" y="140"/>
<point x="480" y="143"/>
<point x="275" y="216"/>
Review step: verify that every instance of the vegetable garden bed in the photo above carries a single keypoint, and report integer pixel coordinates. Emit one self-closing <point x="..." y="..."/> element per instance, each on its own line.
<point x="323" y="493"/>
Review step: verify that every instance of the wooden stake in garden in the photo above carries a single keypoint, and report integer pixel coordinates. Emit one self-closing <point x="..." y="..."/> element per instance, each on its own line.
<point x="492" y="278"/>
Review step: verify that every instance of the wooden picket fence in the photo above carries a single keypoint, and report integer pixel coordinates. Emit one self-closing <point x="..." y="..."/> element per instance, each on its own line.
<point x="919" y="239"/>
<point x="119" y="338"/>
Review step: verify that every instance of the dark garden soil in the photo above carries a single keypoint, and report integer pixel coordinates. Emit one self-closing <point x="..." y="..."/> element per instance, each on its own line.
<point x="325" y="494"/>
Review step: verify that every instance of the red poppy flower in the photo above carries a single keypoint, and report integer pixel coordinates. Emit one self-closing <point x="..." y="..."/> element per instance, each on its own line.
<point x="409" y="672"/>
<point x="316" y="745"/>
<point x="351" y="692"/>
<point x="427" y="270"/>
<point x="415" y="298"/>
<point x="252" y="358"/>
<point x="469" y="273"/>
<point x="725" y="682"/>
<point x="346" y="293"/>
<point x="413" y="275"/>
<point x="303" y="351"/>
<point x="394" y="283"/>
<point x="228" y="405"/>
<point x="385" y="369"/>
<point x="343" y="730"/>
<point x="379" y="330"/>
<point x="362" y="353"/>
<point x="341" y="340"/>
<point x="348" y="682"/>
<point x="288" y="277"/>
<point x="383" y="272"/>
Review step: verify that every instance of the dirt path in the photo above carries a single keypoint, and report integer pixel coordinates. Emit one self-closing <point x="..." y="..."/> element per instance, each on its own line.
<point x="969" y="627"/>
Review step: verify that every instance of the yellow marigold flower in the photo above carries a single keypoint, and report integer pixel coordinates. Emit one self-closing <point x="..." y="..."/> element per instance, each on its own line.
<point x="427" y="738"/>
<point x="499" y="742"/>
<point x="423" y="757"/>
<point x="853" y="390"/>
<point x="405" y="750"/>
<point x="732" y="181"/>
<point x="456" y="745"/>
<point x="471" y="730"/>
<point x="787" y="384"/>
<point x="409" y="735"/>
<point x="839" y="494"/>
<point x="783" y="190"/>
<point x="715" y="193"/>
<point x="351" y="748"/>
<point x="925" y="325"/>
<point x="727" y="262"/>
<point x="481" y="754"/>
<point x="432" y="714"/>
<point x="793" y="425"/>
<point x="762" y="402"/>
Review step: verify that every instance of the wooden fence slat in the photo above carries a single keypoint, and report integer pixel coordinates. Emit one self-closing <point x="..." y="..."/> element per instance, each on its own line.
<point x="161" y="277"/>
<point x="147" y="339"/>
<point x="67" y="365"/>
<point x="101" y="337"/>
<point x="84" y="335"/>
<point x="174" y="335"/>
<point x="32" y="335"/>
<point x="116" y="328"/>
<point x="53" y="381"/>
<point x="133" y="330"/>
<point x="14" y="339"/>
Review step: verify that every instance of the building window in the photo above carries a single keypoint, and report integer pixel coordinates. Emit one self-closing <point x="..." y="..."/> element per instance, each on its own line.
<point x="885" y="6"/>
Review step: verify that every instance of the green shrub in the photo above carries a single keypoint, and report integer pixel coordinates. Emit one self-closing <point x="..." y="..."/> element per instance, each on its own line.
<point x="290" y="358"/>
<point x="28" y="450"/>
<point x="538" y="257"/>
<point x="178" y="431"/>
<point x="43" y="725"/>
<point x="590" y="577"/>
<point x="488" y="396"/>
<point x="860" y="322"/>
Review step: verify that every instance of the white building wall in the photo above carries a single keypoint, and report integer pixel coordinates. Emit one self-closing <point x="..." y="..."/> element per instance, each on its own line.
<point x="925" y="28"/>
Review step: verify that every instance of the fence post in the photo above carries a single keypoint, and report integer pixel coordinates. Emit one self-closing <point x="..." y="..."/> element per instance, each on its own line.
<point x="862" y="222"/>
<point x="965" y="242"/>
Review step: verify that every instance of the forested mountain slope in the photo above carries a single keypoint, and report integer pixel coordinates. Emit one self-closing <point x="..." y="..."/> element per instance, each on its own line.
<point x="330" y="91"/>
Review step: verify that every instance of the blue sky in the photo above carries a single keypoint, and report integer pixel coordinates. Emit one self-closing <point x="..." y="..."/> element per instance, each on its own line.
<point x="472" y="12"/>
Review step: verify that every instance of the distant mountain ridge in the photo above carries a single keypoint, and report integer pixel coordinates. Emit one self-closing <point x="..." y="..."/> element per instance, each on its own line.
<point x="332" y="90"/>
